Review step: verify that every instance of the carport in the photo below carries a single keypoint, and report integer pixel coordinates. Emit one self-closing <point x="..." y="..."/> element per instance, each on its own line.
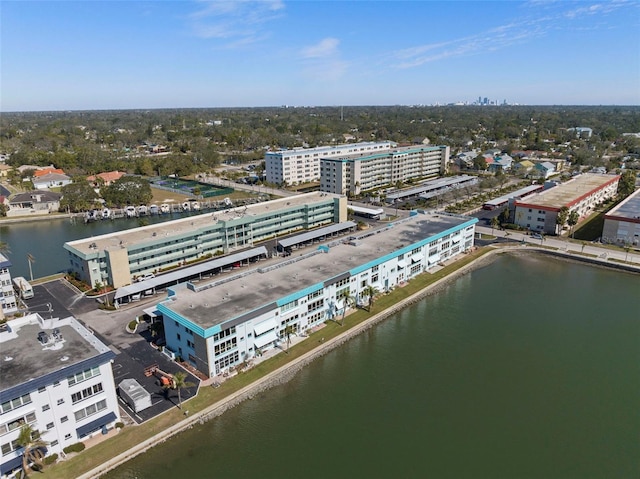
<point x="126" y="293"/>
<point x="285" y="245"/>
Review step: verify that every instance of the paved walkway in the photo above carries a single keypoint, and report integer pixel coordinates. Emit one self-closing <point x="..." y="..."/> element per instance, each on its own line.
<point x="579" y="250"/>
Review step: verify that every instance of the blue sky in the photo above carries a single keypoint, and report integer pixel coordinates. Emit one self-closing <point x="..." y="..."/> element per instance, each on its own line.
<point x="68" y="55"/>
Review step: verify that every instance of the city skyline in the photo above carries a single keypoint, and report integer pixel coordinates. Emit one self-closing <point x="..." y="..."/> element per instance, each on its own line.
<point x="82" y="55"/>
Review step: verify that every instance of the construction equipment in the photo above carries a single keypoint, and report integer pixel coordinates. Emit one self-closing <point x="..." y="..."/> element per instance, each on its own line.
<point x="166" y="379"/>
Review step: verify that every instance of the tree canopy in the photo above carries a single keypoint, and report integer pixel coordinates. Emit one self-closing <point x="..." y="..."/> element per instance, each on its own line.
<point x="627" y="184"/>
<point x="128" y="190"/>
<point x="78" y="196"/>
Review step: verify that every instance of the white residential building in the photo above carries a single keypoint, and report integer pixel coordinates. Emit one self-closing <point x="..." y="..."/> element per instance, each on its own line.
<point x="56" y="378"/>
<point x="215" y="326"/>
<point x="302" y="165"/>
<point x="581" y="194"/>
<point x="8" y="302"/>
<point x="622" y="223"/>
<point x="354" y="173"/>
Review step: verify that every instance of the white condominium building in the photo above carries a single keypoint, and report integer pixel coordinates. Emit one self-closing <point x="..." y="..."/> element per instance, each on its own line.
<point x="8" y="302"/>
<point x="57" y="379"/>
<point x="302" y="165"/>
<point x="353" y="173"/>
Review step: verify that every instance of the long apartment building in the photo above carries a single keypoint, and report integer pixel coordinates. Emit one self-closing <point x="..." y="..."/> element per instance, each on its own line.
<point x="218" y="326"/>
<point x="57" y="379"/>
<point x="119" y="258"/>
<point x="302" y="165"/>
<point x="353" y="173"/>
<point x="582" y="194"/>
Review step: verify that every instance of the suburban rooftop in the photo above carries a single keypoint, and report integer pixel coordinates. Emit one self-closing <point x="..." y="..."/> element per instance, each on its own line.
<point x="25" y="357"/>
<point x="191" y="223"/>
<point x="566" y="193"/>
<point x="305" y="268"/>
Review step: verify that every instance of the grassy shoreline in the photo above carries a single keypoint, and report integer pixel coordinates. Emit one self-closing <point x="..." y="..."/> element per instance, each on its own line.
<point x="210" y="403"/>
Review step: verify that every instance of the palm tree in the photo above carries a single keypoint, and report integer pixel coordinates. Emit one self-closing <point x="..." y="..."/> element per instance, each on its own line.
<point x="32" y="448"/>
<point x="288" y="331"/>
<point x="370" y="291"/>
<point x="572" y="220"/>
<point x="348" y="300"/>
<point x="31" y="259"/>
<point x="179" y="382"/>
<point x="494" y="223"/>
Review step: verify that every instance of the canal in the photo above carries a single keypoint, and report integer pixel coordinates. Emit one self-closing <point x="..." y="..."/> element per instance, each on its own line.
<point x="526" y="368"/>
<point x="43" y="240"/>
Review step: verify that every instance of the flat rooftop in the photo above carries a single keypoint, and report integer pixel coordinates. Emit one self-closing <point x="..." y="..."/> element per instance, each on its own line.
<point x="256" y="289"/>
<point x="567" y="193"/>
<point x="24" y="357"/>
<point x="191" y="223"/>
<point x="629" y="209"/>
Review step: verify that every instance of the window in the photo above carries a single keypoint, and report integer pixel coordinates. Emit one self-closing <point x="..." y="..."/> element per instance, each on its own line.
<point x="46" y="407"/>
<point x="17" y="423"/>
<point x="86" y="393"/>
<point x="9" y="447"/>
<point x="83" y="376"/>
<point x="15" y="403"/>
<point x="54" y="443"/>
<point x="178" y="336"/>
<point x="64" y="418"/>
<point x="90" y="410"/>
<point x="225" y="346"/>
<point x="50" y="425"/>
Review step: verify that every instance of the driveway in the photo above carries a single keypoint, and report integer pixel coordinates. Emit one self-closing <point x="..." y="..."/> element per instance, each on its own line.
<point x="134" y="352"/>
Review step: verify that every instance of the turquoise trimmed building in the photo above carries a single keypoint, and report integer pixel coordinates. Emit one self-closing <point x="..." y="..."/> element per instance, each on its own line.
<point x="216" y="327"/>
<point x="121" y="257"/>
<point x="355" y="173"/>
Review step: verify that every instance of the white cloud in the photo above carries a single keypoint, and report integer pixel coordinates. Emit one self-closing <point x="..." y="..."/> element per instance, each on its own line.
<point x="323" y="60"/>
<point x="325" y="48"/>
<point x="542" y="18"/>
<point x="240" y="22"/>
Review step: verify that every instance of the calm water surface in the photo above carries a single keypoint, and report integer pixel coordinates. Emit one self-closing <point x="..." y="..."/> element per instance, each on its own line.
<point x="44" y="240"/>
<point x="526" y="368"/>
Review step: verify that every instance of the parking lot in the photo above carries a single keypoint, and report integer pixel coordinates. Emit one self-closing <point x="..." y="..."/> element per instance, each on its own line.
<point x="133" y="351"/>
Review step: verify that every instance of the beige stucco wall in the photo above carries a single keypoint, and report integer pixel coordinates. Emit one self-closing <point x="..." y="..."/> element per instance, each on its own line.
<point x="118" y="259"/>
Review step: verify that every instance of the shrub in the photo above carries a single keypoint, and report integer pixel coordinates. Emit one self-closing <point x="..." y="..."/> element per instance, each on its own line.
<point x="119" y="425"/>
<point x="50" y="459"/>
<point x="77" y="447"/>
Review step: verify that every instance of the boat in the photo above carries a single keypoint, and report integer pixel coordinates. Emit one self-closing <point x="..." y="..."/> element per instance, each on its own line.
<point x="130" y="211"/>
<point x="106" y="213"/>
<point x="142" y="210"/>
<point x="186" y="206"/>
<point x="195" y="206"/>
<point x="153" y="209"/>
<point x="164" y="208"/>
<point x="91" y="215"/>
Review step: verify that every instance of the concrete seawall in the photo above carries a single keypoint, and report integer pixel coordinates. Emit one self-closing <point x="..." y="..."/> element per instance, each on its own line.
<point x="288" y="371"/>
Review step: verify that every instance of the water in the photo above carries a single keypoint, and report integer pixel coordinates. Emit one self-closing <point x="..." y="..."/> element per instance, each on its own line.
<point x="527" y="368"/>
<point x="44" y="240"/>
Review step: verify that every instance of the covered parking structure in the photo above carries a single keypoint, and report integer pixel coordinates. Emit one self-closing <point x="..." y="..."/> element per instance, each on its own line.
<point x="209" y="268"/>
<point x="286" y="245"/>
<point x="433" y="188"/>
